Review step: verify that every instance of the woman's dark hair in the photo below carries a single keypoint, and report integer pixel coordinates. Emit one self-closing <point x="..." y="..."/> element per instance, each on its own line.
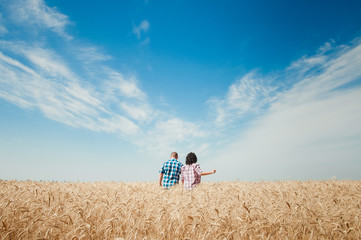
<point x="191" y="158"/>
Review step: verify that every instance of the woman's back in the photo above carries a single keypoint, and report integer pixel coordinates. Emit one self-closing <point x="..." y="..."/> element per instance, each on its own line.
<point x="191" y="175"/>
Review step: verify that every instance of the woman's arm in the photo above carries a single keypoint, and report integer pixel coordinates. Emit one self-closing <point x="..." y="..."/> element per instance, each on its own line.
<point x="208" y="173"/>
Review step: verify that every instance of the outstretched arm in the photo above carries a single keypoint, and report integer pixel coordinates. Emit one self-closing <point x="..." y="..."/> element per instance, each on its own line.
<point x="160" y="179"/>
<point x="208" y="173"/>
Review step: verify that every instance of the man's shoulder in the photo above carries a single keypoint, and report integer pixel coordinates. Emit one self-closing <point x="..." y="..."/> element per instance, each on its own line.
<point x="179" y="163"/>
<point x="169" y="162"/>
<point x="173" y="162"/>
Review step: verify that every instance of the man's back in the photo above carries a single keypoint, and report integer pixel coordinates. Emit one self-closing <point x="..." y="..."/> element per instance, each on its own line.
<point x="171" y="170"/>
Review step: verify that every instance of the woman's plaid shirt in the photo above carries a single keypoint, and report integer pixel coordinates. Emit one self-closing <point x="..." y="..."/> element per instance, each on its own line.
<point x="191" y="175"/>
<point x="171" y="170"/>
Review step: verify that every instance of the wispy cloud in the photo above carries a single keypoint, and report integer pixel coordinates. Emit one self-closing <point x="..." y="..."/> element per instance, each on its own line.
<point x="36" y="14"/>
<point x="248" y="94"/>
<point x="311" y="114"/>
<point x="48" y="84"/>
<point x="125" y="87"/>
<point x="142" y="28"/>
<point x="305" y="78"/>
<point x="92" y="95"/>
<point x="91" y="54"/>
<point x="3" y="29"/>
<point x="312" y="127"/>
<point x="140" y="112"/>
<point x="37" y="76"/>
<point x="339" y="68"/>
<point x="170" y="134"/>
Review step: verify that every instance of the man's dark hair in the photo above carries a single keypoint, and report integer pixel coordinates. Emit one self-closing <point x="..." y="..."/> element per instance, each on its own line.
<point x="191" y="158"/>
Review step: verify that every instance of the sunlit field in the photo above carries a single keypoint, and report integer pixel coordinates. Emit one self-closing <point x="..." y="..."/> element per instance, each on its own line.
<point x="223" y="210"/>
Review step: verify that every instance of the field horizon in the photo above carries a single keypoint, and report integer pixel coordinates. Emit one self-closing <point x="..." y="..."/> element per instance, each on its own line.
<point x="313" y="209"/>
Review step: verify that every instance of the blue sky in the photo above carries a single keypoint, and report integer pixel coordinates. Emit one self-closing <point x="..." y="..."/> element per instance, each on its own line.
<point x="259" y="90"/>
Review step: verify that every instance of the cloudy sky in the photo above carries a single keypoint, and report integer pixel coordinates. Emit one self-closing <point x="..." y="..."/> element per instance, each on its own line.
<point x="106" y="90"/>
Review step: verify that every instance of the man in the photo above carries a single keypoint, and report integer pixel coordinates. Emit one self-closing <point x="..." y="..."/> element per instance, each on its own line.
<point x="171" y="169"/>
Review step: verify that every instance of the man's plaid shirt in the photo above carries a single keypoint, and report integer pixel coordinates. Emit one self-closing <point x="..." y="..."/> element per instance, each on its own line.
<point x="191" y="175"/>
<point x="171" y="170"/>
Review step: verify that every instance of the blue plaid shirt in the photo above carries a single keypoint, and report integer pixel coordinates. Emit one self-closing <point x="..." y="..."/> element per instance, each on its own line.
<point x="171" y="170"/>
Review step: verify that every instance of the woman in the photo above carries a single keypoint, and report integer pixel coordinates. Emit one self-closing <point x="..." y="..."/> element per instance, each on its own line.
<point x="191" y="172"/>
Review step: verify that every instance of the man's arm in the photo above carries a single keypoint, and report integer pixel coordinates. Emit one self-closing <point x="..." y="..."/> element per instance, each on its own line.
<point x="208" y="173"/>
<point x="160" y="179"/>
<point x="182" y="177"/>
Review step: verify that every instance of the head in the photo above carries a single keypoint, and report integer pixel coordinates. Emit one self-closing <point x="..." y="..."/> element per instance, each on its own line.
<point x="191" y="158"/>
<point x="174" y="155"/>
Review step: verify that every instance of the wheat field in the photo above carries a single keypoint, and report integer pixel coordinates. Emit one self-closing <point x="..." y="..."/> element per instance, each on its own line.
<point x="223" y="210"/>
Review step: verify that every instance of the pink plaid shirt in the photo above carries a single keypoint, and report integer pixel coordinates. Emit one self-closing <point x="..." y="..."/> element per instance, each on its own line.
<point x="191" y="175"/>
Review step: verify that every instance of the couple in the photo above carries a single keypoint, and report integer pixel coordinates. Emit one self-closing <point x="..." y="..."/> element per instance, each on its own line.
<point x="190" y="174"/>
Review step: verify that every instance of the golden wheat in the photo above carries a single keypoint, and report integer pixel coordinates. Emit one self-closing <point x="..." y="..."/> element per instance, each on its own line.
<point x="224" y="210"/>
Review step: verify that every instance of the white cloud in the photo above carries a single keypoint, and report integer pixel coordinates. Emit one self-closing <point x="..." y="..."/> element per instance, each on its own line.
<point x="94" y="96"/>
<point x="327" y="46"/>
<point x="145" y="41"/>
<point x="3" y="29"/>
<point x="170" y="134"/>
<point x="308" y="121"/>
<point x="48" y="84"/>
<point x="85" y="95"/>
<point x="118" y="123"/>
<point x="143" y="27"/>
<point x="307" y="63"/>
<point x="74" y="86"/>
<point x="125" y="87"/>
<point x="140" y="112"/>
<point x="248" y="94"/>
<point x="177" y="129"/>
<point x="311" y="76"/>
<point x="36" y="13"/>
<point x="311" y="130"/>
<point x="13" y="62"/>
<point x="340" y="68"/>
<point x="49" y="63"/>
<point x="92" y="55"/>
<point x="315" y="139"/>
